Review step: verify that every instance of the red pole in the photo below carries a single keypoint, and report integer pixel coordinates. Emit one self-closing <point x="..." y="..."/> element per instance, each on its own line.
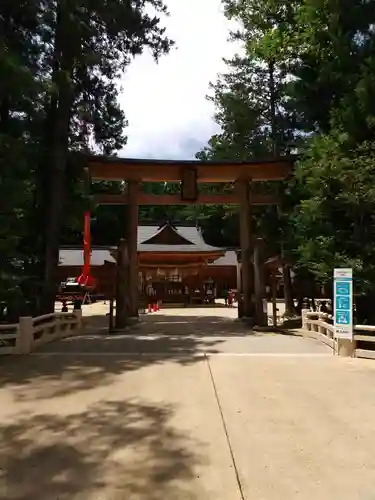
<point x="85" y="278"/>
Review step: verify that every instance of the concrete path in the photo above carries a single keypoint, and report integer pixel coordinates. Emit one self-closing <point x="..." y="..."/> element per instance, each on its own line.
<point x="184" y="332"/>
<point x="206" y="412"/>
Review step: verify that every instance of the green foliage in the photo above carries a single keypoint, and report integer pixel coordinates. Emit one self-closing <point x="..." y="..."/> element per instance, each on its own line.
<point x="332" y="92"/>
<point x="59" y="66"/>
<point x="332" y="84"/>
<point x="334" y="221"/>
<point x="252" y="106"/>
<point x="14" y="208"/>
<point x="305" y="83"/>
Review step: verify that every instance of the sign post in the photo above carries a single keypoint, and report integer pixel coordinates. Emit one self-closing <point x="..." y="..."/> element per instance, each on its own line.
<point x="343" y="307"/>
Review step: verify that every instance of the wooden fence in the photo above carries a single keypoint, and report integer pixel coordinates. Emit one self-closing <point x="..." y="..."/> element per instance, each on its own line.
<point x="29" y="333"/>
<point x="320" y="326"/>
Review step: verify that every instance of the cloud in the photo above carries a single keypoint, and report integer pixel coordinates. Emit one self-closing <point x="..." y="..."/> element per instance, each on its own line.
<point x="169" y="116"/>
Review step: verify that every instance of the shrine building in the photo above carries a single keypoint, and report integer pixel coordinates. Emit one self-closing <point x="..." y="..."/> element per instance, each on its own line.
<point x="176" y="265"/>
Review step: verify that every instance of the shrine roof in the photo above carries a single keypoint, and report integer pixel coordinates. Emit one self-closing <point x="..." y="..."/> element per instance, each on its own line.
<point x="190" y="237"/>
<point x="74" y="256"/>
<point x="229" y="259"/>
<point x="191" y="242"/>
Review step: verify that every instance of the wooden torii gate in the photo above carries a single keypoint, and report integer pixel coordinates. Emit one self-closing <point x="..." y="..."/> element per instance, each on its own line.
<point x="190" y="174"/>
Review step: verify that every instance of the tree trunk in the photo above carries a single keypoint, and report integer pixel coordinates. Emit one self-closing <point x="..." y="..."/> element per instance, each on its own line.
<point x="288" y="291"/>
<point x="4" y="114"/>
<point x="59" y="120"/>
<point x="313" y="303"/>
<point x="271" y="74"/>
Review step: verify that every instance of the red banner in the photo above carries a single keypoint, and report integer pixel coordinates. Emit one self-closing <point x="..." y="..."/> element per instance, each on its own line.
<point x="85" y="279"/>
<point x="86" y="245"/>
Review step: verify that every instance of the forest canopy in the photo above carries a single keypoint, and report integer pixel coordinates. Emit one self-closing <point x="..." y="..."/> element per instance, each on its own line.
<point x="301" y="83"/>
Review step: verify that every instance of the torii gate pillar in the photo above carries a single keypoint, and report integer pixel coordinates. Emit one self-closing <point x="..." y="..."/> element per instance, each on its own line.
<point x="244" y="192"/>
<point x="132" y="235"/>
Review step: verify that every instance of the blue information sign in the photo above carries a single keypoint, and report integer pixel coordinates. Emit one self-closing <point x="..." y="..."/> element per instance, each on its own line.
<point x="343" y="296"/>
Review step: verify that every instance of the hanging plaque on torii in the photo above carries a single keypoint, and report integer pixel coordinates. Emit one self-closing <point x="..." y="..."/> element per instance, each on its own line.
<point x="189" y="185"/>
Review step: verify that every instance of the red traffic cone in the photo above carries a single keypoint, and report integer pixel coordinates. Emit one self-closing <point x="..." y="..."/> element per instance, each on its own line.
<point x="155" y="308"/>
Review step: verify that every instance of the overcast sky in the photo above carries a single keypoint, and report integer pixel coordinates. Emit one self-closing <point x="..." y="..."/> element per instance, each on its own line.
<point x="169" y="116"/>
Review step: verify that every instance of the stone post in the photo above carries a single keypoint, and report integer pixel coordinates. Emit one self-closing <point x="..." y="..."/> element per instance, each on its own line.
<point x="304" y="318"/>
<point x="78" y="314"/>
<point x="25" y="339"/>
<point x="346" y="347"/>
<point x="274" y="299"/>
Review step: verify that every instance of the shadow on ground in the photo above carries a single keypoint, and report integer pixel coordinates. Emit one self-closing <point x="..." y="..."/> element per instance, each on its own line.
<point x="167" y="324"/>
<point x="133" y="452"/>
<point x="96" y="358"/>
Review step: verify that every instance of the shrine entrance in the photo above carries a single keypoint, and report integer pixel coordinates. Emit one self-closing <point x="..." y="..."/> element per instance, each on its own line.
<point x="190" y="174"/>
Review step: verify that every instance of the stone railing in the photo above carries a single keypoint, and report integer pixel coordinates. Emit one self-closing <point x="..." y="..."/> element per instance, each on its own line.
<point x="320" y="326"/>
<point x="29" y="333"/>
